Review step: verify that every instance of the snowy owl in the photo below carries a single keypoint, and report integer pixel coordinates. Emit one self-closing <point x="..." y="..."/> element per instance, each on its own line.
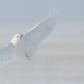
<point x="22" y="47"/>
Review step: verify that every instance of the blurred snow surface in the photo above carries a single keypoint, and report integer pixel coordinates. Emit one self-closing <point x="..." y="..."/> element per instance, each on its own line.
<point x="59" y="58"/>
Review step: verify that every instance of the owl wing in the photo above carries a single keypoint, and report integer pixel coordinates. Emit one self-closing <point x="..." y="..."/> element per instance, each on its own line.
<point x="6" y="54"/>
<point x="40" y="32"/>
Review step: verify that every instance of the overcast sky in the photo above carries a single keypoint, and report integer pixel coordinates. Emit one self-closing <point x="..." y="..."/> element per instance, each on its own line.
<point x="36" y="10"/>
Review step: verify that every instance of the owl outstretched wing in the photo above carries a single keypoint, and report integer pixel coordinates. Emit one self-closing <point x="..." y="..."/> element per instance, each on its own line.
<point x="40" y="32"/>
<point x="6" y="54"/>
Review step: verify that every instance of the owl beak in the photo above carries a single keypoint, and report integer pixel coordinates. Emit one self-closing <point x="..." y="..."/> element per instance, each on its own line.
<point x="20" y="37"/>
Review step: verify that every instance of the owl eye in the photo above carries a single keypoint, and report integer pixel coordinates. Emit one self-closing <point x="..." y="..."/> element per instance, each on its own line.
<point x="17" y="36"/>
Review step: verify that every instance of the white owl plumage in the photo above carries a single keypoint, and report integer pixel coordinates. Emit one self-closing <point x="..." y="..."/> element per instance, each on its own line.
<point x="23" y="46"/>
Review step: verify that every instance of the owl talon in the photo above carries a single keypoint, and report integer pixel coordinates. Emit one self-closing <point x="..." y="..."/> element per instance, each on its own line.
<point x="26" y="55"/>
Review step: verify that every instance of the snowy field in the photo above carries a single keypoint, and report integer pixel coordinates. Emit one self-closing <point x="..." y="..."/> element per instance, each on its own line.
<point x="59" y="58"/>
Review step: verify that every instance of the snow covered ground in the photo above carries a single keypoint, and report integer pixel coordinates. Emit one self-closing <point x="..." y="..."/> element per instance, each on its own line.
<point x="59" y="58"/>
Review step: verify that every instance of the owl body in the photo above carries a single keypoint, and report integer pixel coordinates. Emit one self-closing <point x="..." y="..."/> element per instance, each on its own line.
<point x="20" y="47"/>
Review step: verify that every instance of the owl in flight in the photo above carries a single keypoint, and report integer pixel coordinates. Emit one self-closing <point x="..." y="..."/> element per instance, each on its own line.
<point x="22" y="47"/>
